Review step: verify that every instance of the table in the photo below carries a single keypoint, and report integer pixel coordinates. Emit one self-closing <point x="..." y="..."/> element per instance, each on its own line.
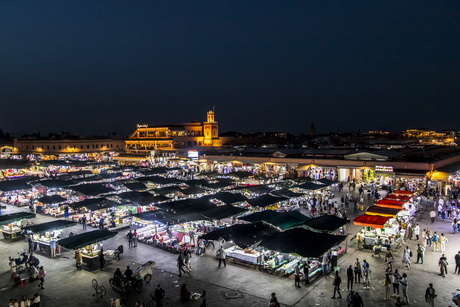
<point x="12" y="235"/>
<point x="241" y="255"/>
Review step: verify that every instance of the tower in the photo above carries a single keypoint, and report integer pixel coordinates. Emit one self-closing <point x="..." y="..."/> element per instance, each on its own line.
<point x="312" y="129"/>
<point x="211" y="130"/>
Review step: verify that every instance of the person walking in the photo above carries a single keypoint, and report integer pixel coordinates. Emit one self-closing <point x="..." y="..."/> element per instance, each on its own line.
<point x="420" y="253"/>
<point x="36" y="300"/>
<point x="442" y="243"/>
<point x="406" y="257"/>
<point x="357" y="300"/>
<point x="395" y="281"/>
<point x="457" y="263"/>
<point x="66" y="211"/>
<point x="221" y="254"/>
<point x="78" y="259"/>
<point x="404" y="288"/>
<point x="366" y="276"/>
<point x="432" y="216"/>
<point x="357" y="271"/>
<point x="274" y="301"/>
<point x="83" y="221"/>
<point x="159" y="296"/>
<point x="297" y="275"/>
<point x="101" y="259"/>
<point x="53" y="247"/>
<point x="350" y="278"/>
<point x="204" y="299"/>
<point x="188" y="261"/>
<point x="430" y="295"/>
<point x="130" y="239"/>
<point x="336" y="284"/>
<point x="443" y="265"/>
<point x="435" y="242"/>
<point x="386" y="284"/>
<point x="417" y="231"/>
<point x="180" y="264"/>
<point x="41" y="277"/>
<point x="454" y="225"/>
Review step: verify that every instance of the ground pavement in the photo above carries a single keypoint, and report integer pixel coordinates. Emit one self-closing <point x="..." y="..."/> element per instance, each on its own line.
<point x="66" y="286"/>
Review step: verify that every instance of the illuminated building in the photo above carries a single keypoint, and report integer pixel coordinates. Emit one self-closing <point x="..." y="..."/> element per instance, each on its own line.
<point x="174" y="136"/>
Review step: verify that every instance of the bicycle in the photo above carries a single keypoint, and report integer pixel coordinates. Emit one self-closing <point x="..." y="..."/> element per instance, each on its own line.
<point x="167" y="302"/>
<point x="99" y="290"/>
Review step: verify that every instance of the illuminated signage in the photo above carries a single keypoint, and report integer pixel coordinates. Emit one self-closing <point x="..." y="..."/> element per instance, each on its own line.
<point x="142" y="126"/>
<point x="384" y="169"/>
<point x="192" y="154"/>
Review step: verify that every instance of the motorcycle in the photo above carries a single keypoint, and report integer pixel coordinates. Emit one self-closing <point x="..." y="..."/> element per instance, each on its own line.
<point x="140" y="274"/>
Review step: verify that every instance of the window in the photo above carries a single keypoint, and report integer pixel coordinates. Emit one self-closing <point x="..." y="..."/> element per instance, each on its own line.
<point x="117" y="146"/>
<point x="47" y="146"/>
<point x="27" y="147"/>
<point x="54" y="147"/>
<point x="22" y="146"/>
<point x="93" y="146"/>
<point x="87" y="146"/>
<point x="59" y="146"/>
<point x="81" y="146"/>
<point x="107" y="145"/>
<point x="33" y="146"/>
<point x="111" y="145"/>
<point x="96" y="145"/>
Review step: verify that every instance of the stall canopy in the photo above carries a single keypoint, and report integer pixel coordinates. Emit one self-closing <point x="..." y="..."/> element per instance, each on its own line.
<point x="311" y="186"/>
<point x="8" y="218"/>
<point x="92" y="189"/>
<point x="257" y="189"/>
<point x="55" y="183"/>
<point x="228" y="198"/>
<point x="169" y="218"/>
<point x="388" y="203"/>
<point x="132" y="195"/>
<point x="282" y="220"/>
<point x="222" y="212"/>
<point x="265" y="200"/>
<point x="167" y="190"/>
<point x="287" y="193"/>
<point x="14" y="164"/>
<point x="401" y="192"/>
<point x="326" y="223"/>
<point x="195" y="182"/>
<point x="243" y="235"/>
<point x="327" y="181"/>
<point x="192" y="191"/>
<point x="105" y="204"/>
<point x="143" y="198"/>
<point x="153" y="171"/>
<point x="86" y="238"/>
<point x="53" y="199"/>
<point x="376" y="210"/>
<point x="218" y="185"/>
<point x="135" y="186"/>
<point x="54" y="225"/>
<point x="375" y="221"/>
<point x="111" y="175"/>
<point x="80" y="204"/>
<point x="240" y="175"/>
<point x="398" y="197"/>
<point x="188" y="205"/>
<point x="14" y="185"/>
<point x="91" y="178"/>
<point x="159" y="180"/>
<point x="301" y="241"/>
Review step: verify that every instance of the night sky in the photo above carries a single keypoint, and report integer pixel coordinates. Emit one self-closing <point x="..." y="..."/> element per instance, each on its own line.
<point x="100" y="66"/>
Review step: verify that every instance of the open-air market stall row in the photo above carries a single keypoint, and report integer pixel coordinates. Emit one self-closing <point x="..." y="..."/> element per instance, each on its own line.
<point x="12" y="224"/>
<point x="266" y="248"/>
<point x="44" y="236"/>
<point x="88" y="246"/>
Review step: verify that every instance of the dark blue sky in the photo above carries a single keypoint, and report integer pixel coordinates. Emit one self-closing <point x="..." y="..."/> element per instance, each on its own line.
<point x="100" y="66"/>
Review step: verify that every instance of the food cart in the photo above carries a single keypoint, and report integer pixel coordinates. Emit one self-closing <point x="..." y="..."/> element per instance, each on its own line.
<point x="45" y="232"/>
<point x="88" y="243"/>
<point x="11" y="224"/>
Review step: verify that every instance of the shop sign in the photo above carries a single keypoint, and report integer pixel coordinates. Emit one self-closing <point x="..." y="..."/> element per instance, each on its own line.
<point x="142" y="126"/>
<point x="192" y="154"/>
<point x="388" y="169"/>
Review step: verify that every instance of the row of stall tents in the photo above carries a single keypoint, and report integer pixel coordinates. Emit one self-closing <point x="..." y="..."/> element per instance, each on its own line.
<point x="376" y="216"/>
<point x="283" y="232"/>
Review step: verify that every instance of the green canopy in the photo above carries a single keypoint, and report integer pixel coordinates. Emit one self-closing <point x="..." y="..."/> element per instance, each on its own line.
<point x="86" y="238"/>
<point x="8" y="218"/>
<point x="282" y="220"/>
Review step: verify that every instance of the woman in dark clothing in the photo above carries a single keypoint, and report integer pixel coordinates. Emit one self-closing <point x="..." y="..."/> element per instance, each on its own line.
<point x="101" y="259"/>
<point x="184" y="293"/>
